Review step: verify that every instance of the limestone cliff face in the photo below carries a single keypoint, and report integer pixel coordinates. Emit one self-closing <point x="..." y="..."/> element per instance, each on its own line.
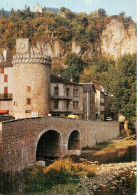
<point x="51" y="47"/>
<point x="117" y="41"/>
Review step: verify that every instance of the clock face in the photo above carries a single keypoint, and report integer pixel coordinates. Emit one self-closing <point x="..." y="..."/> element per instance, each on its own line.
<point x="22" y="45"/>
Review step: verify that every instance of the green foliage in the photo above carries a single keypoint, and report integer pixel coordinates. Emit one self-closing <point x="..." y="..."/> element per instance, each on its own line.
<point x="64" y="33"/>
<point x="97" y="70"/>
<point x="75" y="67"/>
<point x="83" y="28"/>
<point x="2" y="13"/>
<point x="102" y="12"/>
<point x="63" y="9"/>
<point x="37" y="179"/>
<point x="120" y="81"/>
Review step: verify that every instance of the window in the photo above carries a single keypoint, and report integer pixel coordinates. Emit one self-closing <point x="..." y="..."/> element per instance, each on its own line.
<point x="56" y="90"/>
<point x="28" y="101"/>
<point x="75" y="92"/>
<point x="67" y="104"/>
<point x="28" y="88"/>
<point x="102" y="100"/>
<point x="5" y="90"/>
<point x="5" y="78"/>
<point x="67" y="91"/>
<point x="56" y="104"/>
<point x="2" y="70"/>
<point x="75" y="104"/>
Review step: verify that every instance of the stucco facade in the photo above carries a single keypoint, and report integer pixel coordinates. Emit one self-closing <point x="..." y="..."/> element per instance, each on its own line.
<point x="66" y="97"/>
<point x="88" y="101"/>
<point x="6" y="83"/>
<point x="99" y="104"/>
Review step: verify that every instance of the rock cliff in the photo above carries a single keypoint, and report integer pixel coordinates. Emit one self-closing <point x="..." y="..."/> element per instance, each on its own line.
<point x="115" y="40"/>
<point x="118" y="40"/>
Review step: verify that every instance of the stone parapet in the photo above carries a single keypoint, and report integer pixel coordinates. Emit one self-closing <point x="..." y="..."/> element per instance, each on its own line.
<point x="30" y="58"/>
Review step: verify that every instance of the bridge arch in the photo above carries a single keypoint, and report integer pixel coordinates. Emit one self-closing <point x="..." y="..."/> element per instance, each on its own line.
<point x="74" y="140"/>
<point x="49" y="144"/>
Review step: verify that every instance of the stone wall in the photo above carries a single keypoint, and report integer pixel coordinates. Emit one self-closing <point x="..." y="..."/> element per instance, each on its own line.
<point x="31" y="85"/>
<point x="20" y="138"/>
<point x="6" y="118"/>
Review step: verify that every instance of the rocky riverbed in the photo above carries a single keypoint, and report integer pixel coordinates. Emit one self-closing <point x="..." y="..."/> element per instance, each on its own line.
<point x="110" y="179"/>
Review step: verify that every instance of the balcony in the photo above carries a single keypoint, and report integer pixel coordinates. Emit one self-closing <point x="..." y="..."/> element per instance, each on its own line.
<point x="61" y="97"/>
<point x="6" y="96"/>
<point x="54" y="110"/>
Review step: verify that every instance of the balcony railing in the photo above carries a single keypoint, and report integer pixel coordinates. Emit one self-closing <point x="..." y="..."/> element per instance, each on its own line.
<point x="61" y="110"/>
<point x="6" y="96"/>
<point x="61" y="97"/>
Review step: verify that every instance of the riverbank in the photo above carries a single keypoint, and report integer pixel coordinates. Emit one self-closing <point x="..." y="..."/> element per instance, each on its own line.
<point x="64" y="177"/>
<point x="77" y="176"/>
<point x="120" y="149"/>
<point x="110" y="179"/>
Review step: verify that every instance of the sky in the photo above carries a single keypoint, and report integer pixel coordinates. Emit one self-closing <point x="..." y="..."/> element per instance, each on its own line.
<point x="112" y="7"/>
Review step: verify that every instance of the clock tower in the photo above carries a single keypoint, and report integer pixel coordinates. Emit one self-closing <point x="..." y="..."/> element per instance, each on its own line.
<point x="31" y="82"/>
<point x="22" y="45"/>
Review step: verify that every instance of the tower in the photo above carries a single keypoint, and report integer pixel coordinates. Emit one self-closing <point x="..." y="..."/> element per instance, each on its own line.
<point x="31" y="82"/>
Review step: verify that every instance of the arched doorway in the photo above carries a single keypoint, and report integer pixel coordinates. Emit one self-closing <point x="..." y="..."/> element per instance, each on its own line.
<point x="49" y="145"/>
<point x="74" y="141"/>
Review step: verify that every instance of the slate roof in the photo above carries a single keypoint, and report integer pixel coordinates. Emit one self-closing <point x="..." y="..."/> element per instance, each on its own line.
<point x="58" y="79"/>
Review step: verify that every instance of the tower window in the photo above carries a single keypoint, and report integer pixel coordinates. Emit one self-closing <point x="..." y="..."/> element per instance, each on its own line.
<point x="5" y="78"/>
<point x="2" y="70"/>
<point x="28" y="101"/>
<point x="5" y="90"/>
<point x="28" y="88"/>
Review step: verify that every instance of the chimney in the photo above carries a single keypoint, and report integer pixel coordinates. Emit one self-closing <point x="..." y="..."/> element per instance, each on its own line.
<point x="71" y="80"/>
<point x="6" y="55"/>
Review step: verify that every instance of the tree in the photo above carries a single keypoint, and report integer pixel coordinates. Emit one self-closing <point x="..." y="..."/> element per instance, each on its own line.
<point x="69" y="15"/>
<point x="2" y="13"/>
<point x="120" y="82"/>
<point x="71" y="72"/>
<point x="63" y="9"/>
<point x="75" y="67"/>
<point x="64" y="33"/>
<point x="102" y="13"/>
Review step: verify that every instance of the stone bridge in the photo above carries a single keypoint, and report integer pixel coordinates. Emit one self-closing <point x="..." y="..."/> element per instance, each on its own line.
<point x="24" y="141"/>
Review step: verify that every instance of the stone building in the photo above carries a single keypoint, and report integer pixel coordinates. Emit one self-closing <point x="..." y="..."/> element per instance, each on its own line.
<point x="6" y="78"/>
<point x="31" y="82"/>
<point x="88" y="101"/>
<point x="66" y="97"/>
<point x="37" y="8"/>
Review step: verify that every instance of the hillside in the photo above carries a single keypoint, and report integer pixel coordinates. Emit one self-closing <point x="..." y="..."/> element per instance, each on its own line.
<point x="85" y="48"/>
<point x="60" y="33"/>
